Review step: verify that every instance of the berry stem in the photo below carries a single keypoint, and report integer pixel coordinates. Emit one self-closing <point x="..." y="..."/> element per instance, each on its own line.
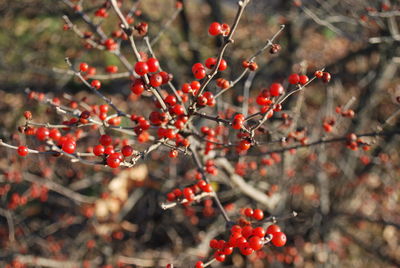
<point x="215" y="196"/>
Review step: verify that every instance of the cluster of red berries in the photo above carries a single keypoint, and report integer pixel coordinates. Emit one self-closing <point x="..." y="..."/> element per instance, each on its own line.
<point x="110" y="44"/>
<point x="150" y="66"/>
<point x="66" y="143"/>
<point x="206" y="99"/>
<point x="216" y="29"/>
<point x="86" y="69"/>
<point x="238" y="120"/>
<point x="101" y="12"/>
<point x="199" y="70"/>
<point x="325" y="76"/>
<point x="328" y="124"/>
<point x="346" y="113"/>
<point x="247" y="239"/>
<point x="16" y="200"/>
<point x="189" y="192"/>
<point x="222" y="83"/>
<point x="211" y="62"/>
<point x="296" y="79"/>
<point x="106" y="149"/>
<point x="252" y="65"/>
<point x="353" y="142"/>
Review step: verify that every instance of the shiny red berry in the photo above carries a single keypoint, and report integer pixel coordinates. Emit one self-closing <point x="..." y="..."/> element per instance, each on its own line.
<point x="214" y="29"/>
<point x="303" y="79"/>
<point x="153" y="65"/>
<point x="127" y="150"/>
<point x="22" y="150"/>
<point x="294" y="79"/>
<point x="273" y="229"/>
<point x="42" y="133"/>
<point x="278" y="239"/>
<point x="96" y="84"/>
<point x="276" y="89"/>
<point x="105" y="140"/>
<point x="83" y="67"/>
<point x="69" y="146"/>
<point x="98" y="150"/>
<point x="156" y="80"/>
<point x="141" y="68"/>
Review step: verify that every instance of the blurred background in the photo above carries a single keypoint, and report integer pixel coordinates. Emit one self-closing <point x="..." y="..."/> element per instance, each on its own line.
<point x="77" y="215"/>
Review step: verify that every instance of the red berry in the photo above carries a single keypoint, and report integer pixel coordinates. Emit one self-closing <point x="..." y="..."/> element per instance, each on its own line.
<point x="248" y="212"/>
<point x="201" y="100"/>
<point x="170" y="100"/>
<point x="98" y="150"/>
<point x="244" y="145"/>
<point x="69" y="146"/>
<point x="156" y="80"/>
<point x="210" y="63"/>
<point x="222" y="65"/>
<point x="294" y="79"/>
<point x="214" y="243"/>
<point x="219" y="256"/>
<point x="236" y="229"/>
<point x="259" y="231"/>
<point x="258" y="214"/>
<point x="247" y="231"/>
<point x="276" y="89"/>
<point x="127" y="150"/>
<point x="166" y="77"/>
<point x="22" y="150"/>
<point x="104" y="108"/>
<point x="28" y="115"/>
<point x="111" y="69"/>
<point x="55" y="134"/>
<point x="199" y="73"/>
<point x="237" y="123"/>
<point x="188" y="193"/>
<point x="255" y="243"/>
<point x="186" y="88"/>
<point x="173" y="153"/>
<point x="83" y="67"/>
<point x="273" y="229"/>
<point x="326" y="77"/>
<point x="178" y="109"/>
<point x="105" y="140"/>
<point x="96" y="84"/>
<point x="138" y="86"/>
<point x="113" y="161"/>
<point x="278" y="239"/>
<point x="171" y="196"/>
<point x="214" y="29"/>
<point x="303" y="79"/>
<point x="318" y="74"/>
<point x="195" y="85"/>
<point x="207" y="188"/>
<point x="199" y="264"/>
<point x="141" y="68"/>
<point x="153" y="65"/>
<point x="42" y="133"/>
<point x="246" y="250"/>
